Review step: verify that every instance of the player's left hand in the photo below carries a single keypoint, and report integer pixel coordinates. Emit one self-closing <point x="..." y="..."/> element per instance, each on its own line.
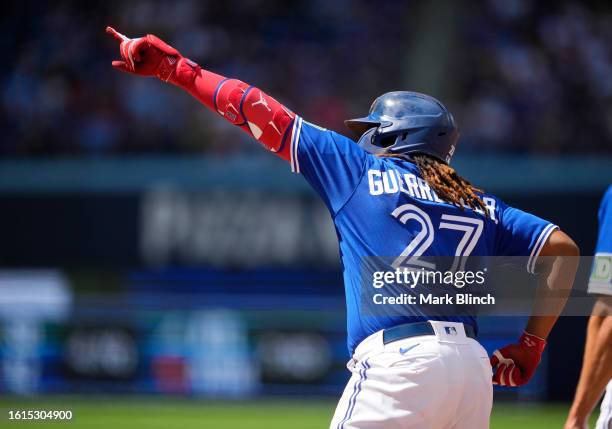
<point x="145" y="56"/>
<point x="515" y="364"/>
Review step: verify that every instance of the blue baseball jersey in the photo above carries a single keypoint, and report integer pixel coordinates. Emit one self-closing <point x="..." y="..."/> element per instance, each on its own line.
<point x="382" y="207"/>
<point x="601" y="274"/>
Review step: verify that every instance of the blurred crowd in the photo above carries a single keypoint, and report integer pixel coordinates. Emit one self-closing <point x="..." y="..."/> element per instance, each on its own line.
<point x="522" y="77"/>
<point x="532" y="77"/>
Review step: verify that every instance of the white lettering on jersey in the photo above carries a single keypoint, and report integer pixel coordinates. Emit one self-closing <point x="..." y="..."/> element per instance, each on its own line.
<point x="490" y="205"/>
<point x="392" y="182"/>
<point x="413" y="187"/>
<point x="374" y="181"/>
<point x="425" y="189"/>
<point x="402" y="187"/>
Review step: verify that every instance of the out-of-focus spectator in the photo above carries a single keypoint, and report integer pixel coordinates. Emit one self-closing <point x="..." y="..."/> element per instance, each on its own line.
<point x="536" y="77"/>
<point x="524" y="77"/>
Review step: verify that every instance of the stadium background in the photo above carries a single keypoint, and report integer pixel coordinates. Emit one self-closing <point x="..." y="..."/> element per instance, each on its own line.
<point x="160" y="269"/>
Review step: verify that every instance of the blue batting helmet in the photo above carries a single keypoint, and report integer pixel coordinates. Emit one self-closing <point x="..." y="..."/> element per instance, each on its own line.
<point x="404" y="122"/>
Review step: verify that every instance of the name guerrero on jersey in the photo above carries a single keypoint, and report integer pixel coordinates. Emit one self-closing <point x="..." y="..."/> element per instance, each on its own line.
<point x="382" y="207"/>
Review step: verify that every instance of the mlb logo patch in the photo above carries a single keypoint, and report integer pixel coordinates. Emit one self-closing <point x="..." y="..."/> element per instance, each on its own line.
<point x="450" y="330"/>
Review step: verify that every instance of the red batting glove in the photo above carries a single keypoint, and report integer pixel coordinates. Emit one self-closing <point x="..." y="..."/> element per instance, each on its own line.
<point x="516" y="363"/>
<point x="146" y="56"/>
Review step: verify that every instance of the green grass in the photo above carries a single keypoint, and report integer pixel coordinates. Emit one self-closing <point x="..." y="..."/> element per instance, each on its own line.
<point x="154" y="413"/>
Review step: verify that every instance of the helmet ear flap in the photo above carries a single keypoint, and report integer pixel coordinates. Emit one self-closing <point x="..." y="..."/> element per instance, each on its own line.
<point x="374" y="141"/>
<point x="367" y="141"/>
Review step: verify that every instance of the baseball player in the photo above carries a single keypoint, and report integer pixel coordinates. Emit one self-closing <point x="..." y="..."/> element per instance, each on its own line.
<point x="392" y="193"/>
<point x="597" y="363"/>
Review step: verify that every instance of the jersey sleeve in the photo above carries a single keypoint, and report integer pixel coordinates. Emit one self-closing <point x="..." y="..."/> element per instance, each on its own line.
<point x="332" y="164"/>
<point x="522" y="234"/>
<point x="600" y="281"/>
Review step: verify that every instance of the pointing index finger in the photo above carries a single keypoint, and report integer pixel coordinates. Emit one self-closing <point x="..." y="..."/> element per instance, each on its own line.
<point x="118" y="36"/>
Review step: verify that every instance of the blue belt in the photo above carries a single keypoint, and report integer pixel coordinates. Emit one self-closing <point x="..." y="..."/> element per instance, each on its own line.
<point x="418" y="329"/>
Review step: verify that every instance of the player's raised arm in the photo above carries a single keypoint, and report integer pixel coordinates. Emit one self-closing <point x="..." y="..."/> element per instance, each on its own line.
<point x="245" y="106"/>
<point x="330" y="162"/>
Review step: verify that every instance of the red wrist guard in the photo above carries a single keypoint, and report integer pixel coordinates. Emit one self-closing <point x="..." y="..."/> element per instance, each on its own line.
<point x="532" y="341"/>
<point x="515" y="364"/>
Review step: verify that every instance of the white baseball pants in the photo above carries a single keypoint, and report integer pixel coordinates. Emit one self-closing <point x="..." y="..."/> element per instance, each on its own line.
<point x="440" y="381"/>
<point x="605" y="416"/>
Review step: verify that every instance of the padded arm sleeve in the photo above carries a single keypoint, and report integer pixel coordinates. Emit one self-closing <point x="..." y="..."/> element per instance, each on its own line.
<point x="245" y="106"/>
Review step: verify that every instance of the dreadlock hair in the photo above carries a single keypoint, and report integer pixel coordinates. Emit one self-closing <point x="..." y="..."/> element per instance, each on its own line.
<point x="446" y="182"/>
